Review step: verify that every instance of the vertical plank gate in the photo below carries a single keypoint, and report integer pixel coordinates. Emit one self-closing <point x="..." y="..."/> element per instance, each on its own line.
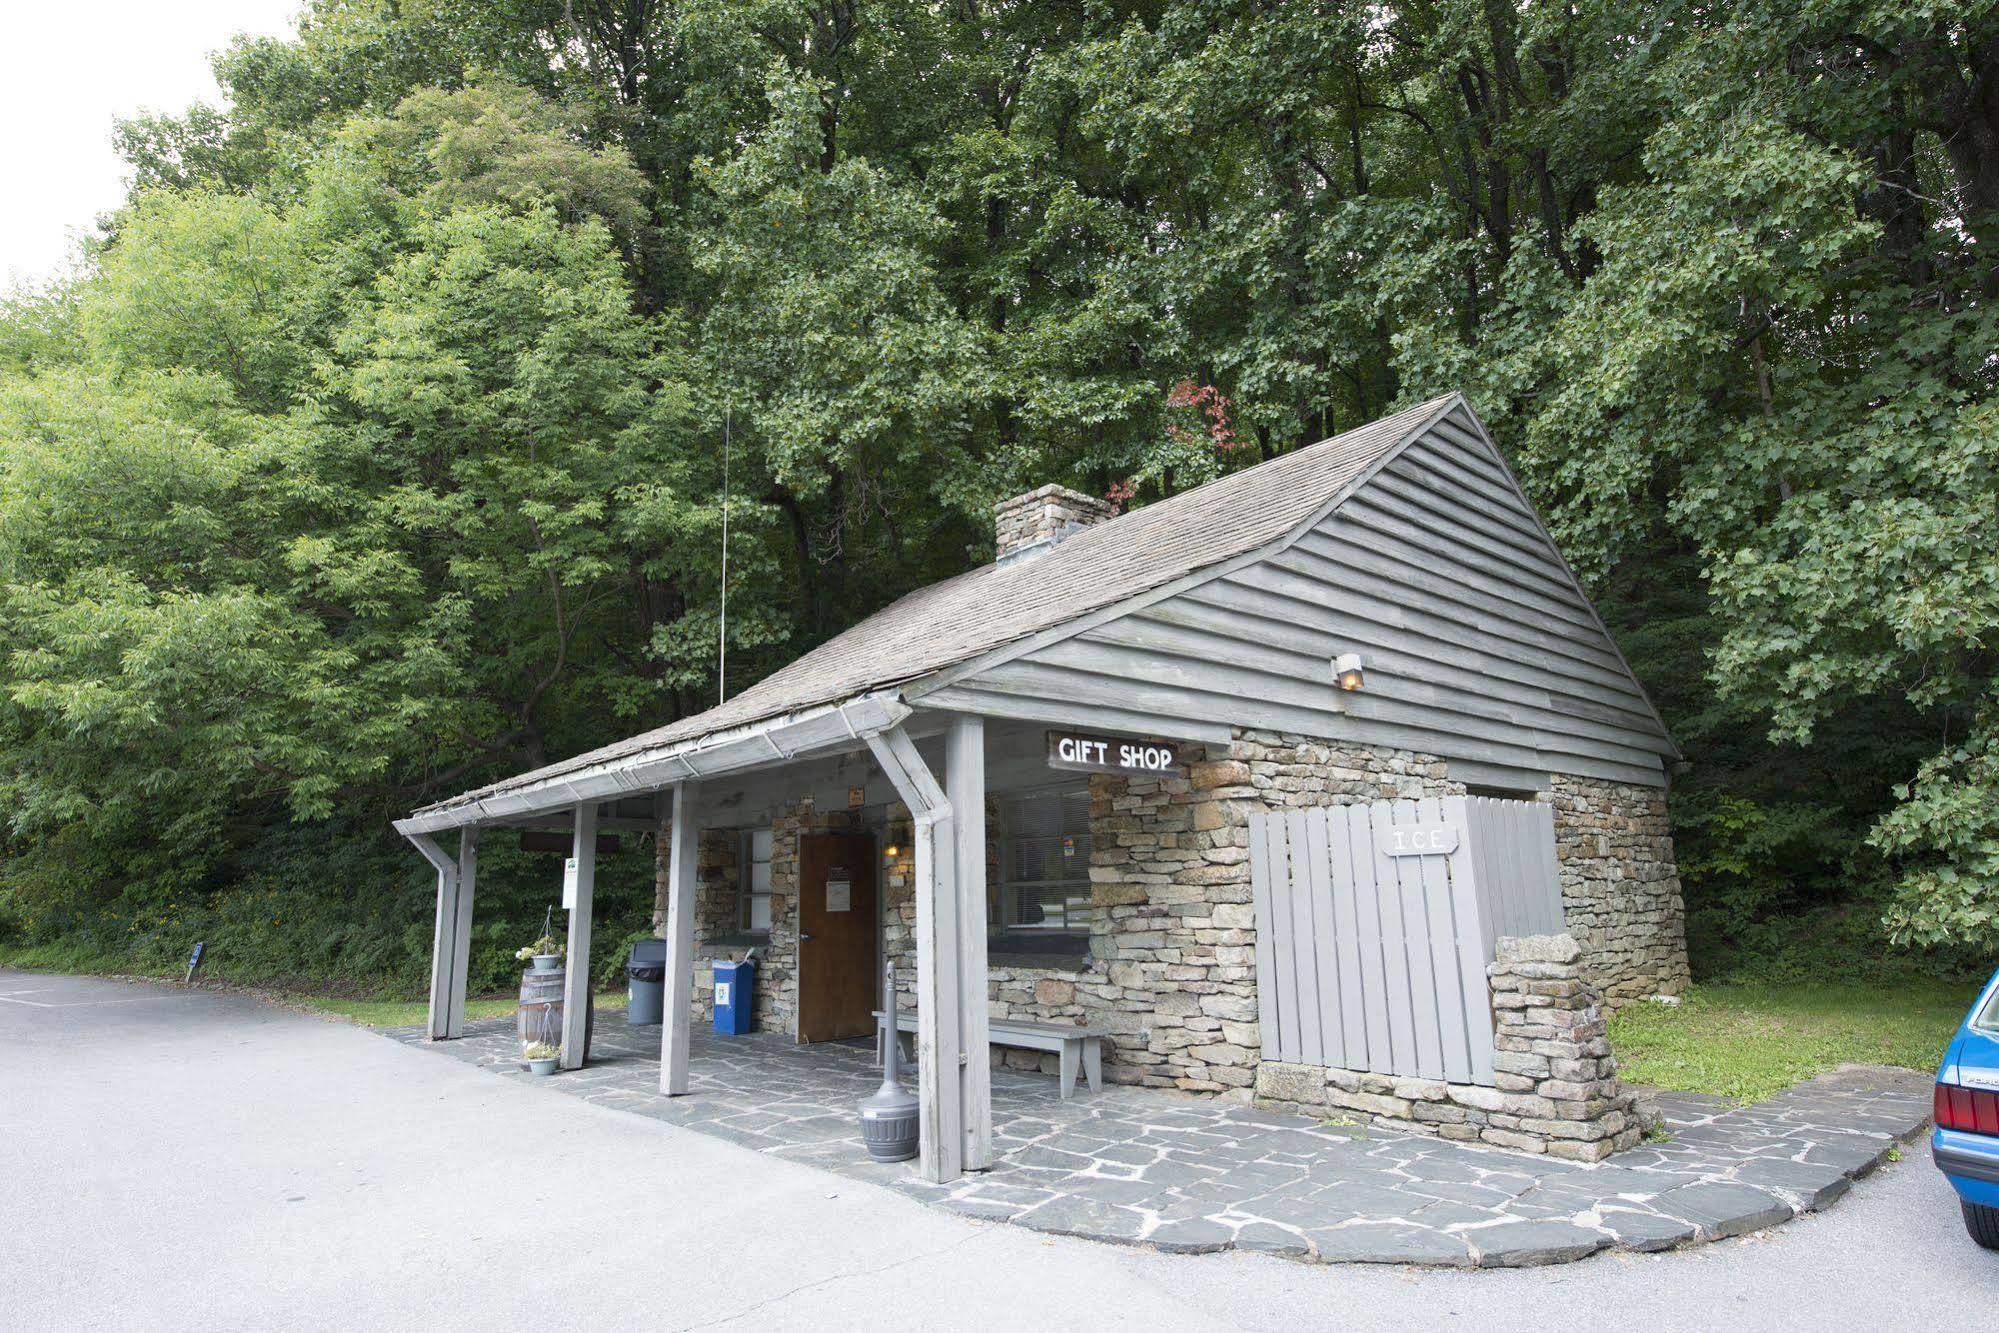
<point x="1374" y="924"/>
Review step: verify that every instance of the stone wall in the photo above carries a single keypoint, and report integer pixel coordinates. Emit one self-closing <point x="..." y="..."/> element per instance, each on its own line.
<point x="717" y="904"/>
<point x="1620" y="887"/>
<point x="1171" y="973"/>
<point x="718" y="930"/>
<point x="1556" y="1089"/>
<point x="1171" y="968"/>
<point x="1290" y="771"/>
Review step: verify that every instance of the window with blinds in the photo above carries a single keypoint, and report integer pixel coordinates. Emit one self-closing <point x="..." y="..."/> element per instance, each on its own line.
<point x="1045" y="863"/>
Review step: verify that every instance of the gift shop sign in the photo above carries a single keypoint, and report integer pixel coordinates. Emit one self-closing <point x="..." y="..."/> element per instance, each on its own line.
<point x="1085" y="752"/>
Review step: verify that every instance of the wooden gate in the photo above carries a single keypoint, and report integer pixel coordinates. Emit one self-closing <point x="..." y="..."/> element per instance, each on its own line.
<point x="1374" y="924"/>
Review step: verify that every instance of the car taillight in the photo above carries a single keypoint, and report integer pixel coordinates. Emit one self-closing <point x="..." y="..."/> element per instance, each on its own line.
<point x="1974" y="1110"/>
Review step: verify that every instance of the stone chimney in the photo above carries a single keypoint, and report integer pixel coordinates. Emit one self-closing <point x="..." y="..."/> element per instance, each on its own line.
<point x="1029" y="525"/>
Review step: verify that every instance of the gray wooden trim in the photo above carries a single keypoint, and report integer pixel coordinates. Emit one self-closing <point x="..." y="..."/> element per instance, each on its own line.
<point x="1374" y="961"/>
<point x="1328" y="1030"/>
<point x="1285" y="667"/>
<point x="1389" y="541"/>
<point x="576" y="975"/>
<point x="676" y="1033"/>
<point x="1481" y="647"/>
<point x="1477" y="427"/>
<point x="1167" y="703"/>
<point x="1067" y="713"/>
<point x="461" y="939"/>
<point x="1417" y="510"/>
<point x="965" y="787"/>
<point x="1253" y="618"/>
<point x="916" y="690"/>
<point x="1264" y="905"/>
<point x="767" y="744"/>
<point x="1369" y="961"/>
<point x="1367" y="616"/>
<point x="939" y="990"/>
<point x="1496" y="775"/>
<point x="1344" y="889"/>
<point x="1470" y="910"/>
<point x="442" y="942"/>
<point x="1365" y="574"/>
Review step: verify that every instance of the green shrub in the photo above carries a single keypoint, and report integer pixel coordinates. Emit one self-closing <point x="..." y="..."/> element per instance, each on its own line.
<point x="335" y="908"/>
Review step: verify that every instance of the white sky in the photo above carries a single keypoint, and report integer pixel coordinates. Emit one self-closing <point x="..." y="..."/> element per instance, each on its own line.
<point x="67" y="71"/>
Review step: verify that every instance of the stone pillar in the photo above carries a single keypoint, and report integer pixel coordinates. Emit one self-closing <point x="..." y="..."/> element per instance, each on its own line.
<point x="1555" y="1087"/>
<point x="1552" y="1060"/>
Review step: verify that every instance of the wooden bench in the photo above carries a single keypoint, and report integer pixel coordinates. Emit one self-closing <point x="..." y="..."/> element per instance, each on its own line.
<point x="1077" y="1046"/>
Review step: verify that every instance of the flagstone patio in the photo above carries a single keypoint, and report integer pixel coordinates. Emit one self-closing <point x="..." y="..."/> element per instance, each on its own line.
<point x="1193" y="1174"/>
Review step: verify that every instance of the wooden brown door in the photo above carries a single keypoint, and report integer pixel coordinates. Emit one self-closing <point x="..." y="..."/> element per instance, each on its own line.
<point x="837" y="987"/>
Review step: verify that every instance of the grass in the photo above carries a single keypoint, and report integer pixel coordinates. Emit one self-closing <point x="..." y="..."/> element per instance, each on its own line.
<point x="352" y="1003"/>
<point x="1753" y="1040"/>
<point x="413" y="1013"/>
<point x="79" y="959"/>
<point x="1746" y="1040"/>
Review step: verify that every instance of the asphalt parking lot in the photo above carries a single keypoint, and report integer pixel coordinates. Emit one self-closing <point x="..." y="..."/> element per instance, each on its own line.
<point x="189" y="1160"/>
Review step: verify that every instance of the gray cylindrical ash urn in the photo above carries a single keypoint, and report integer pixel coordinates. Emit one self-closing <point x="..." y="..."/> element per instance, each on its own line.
<point x="888" y="1119"/>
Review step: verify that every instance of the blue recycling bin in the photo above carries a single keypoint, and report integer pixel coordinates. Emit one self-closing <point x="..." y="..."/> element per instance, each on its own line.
<point x="735" y="995"/>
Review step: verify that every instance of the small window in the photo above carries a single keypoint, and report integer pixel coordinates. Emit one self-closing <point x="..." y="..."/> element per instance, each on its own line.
<point x="1044" y="864"/>
<point x="756" y="880"/>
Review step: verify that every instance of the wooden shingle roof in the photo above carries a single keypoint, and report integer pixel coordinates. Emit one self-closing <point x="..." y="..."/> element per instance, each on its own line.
<point x="962" y="618"/>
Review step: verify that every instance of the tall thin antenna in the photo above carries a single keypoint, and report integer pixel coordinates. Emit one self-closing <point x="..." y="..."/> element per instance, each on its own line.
<point x="722" y="633"/>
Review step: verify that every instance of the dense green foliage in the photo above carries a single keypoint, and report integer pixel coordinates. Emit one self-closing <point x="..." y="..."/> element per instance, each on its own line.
<point x="378" y="447"/>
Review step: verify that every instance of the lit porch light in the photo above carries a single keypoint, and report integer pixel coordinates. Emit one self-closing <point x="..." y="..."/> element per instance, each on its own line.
<point x="1347" y="671"/>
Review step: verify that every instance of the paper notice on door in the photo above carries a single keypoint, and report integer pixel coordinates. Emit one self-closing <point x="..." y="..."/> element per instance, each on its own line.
<point x="839" y="892"/>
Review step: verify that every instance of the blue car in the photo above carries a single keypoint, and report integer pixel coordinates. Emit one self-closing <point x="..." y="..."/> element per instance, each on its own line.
<point x="1965" y="1141"/>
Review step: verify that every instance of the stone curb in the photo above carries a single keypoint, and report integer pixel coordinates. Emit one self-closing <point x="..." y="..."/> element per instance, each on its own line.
<point x="1756" y="1194"/>
<point x="1377" y="1198"/>
<point x="1708" y="1211"/>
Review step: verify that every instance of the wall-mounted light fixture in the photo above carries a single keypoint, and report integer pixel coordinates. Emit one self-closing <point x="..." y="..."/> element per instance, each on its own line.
<point x="895" y="840"/>
<point x="1347" y="671"/>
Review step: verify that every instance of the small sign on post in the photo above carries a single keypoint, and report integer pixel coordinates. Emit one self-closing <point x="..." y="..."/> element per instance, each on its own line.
<point x="194" y="961"/>
<point x="569" y="884"/>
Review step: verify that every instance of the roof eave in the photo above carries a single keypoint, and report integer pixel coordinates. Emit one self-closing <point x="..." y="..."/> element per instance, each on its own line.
<point x="755" y="745"/>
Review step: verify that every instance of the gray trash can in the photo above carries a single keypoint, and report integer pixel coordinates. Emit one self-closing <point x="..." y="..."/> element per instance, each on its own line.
<point x="645" y="977"/>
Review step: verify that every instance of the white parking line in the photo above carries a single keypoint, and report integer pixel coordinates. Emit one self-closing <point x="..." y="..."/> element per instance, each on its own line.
<point x="76" y="1004"/>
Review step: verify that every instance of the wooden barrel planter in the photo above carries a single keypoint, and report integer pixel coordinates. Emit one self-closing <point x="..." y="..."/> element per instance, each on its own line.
<point x="541" y="1010"/>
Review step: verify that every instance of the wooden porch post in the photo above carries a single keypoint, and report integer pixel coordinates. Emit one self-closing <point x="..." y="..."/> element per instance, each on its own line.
<point x="940" y="1081"/>
<point x="676" y="1033"/>
<point x="939" y="997"/>
<point x="576" y="980"/>
<point x="965" y="785"/>
<point x="443" y="935"/>
<point x="461" y="939"/>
